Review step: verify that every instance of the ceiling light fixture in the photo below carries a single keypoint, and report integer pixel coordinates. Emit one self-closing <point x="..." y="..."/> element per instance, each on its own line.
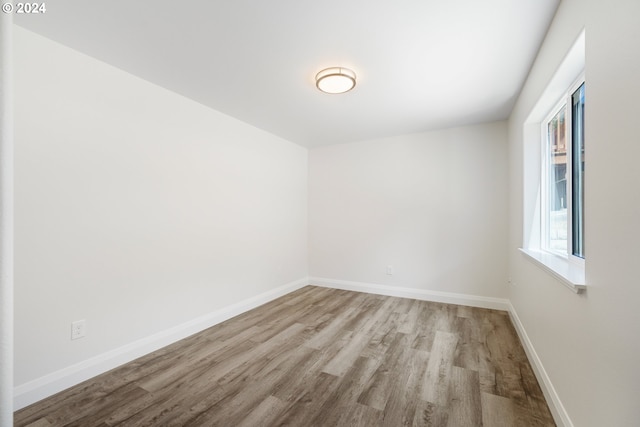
<point x="336" y="80"/>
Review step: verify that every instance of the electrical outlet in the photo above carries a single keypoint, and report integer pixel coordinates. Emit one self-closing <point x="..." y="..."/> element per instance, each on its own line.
<point x="78" y="329"/>
<point x="390" y="270"/>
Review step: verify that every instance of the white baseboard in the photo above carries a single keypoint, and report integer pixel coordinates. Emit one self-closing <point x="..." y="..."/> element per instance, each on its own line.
<point x="560" y="415"/>
<point x="420" y="294"/>
<point x="40" y="388"/>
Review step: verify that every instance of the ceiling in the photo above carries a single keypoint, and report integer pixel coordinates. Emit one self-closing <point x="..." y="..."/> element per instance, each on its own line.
<point x="420" y="64"/>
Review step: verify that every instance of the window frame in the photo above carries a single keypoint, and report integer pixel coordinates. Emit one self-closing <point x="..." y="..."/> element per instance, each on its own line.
<point x="571" y="275"/>
<point x="566" y="103"/>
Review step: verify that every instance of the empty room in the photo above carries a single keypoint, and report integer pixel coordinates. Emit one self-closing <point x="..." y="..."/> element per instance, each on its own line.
<point x="339" y="213"/>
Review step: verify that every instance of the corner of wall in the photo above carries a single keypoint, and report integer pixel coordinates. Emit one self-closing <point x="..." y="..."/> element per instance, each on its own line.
<point x="560" y="415"/>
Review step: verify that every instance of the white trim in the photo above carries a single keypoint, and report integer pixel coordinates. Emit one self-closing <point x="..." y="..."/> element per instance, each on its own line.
<point x="40" y="388"/>
<point x="6" y="219"/>
<point x="545" y="166"/>
<point x="415" y="293"/>
<point x="570" y="274"/>
<point x="560" y="415"/>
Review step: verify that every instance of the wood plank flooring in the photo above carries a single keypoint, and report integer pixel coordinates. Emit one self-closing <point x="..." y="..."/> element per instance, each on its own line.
<point x="320" y="357"/>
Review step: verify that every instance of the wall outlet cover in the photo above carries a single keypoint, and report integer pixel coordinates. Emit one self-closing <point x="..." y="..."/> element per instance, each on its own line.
<point x="78" y="329"/>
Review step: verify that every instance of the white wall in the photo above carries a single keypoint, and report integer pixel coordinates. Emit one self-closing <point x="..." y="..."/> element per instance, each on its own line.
<point x="6" y="219"/>
<point x="138" y="209"/>
<point x="432" y="205"/>
<point x="589" y="344"/>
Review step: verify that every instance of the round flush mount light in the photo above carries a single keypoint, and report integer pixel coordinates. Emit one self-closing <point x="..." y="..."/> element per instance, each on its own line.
<point x="336" y="80"/>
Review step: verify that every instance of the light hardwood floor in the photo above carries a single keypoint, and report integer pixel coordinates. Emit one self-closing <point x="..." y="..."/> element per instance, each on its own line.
<point x="320" y="357"/>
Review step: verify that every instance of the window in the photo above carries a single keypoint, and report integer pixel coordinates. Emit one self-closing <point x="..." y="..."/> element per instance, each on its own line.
<point x="553" y="167"/>
<point x="562" y="176"/>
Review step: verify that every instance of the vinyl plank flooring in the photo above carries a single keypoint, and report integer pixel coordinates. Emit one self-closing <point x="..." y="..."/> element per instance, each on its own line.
<point x="498" y="411"/>
<point x="319" y="357"/>
<point x="402" y="404"/>
<point x="360" y="339"/>
<point x="360" y="416"/>
<point x="431" y="319"/>
<point x="410" y="321"/>
<point x="332" y="329"/>
<point x="264" y="414"/>
<point x="438" y="370"/>
<point x="178" y="374"/>
<point x="383" y="336"/>
<point x="42" y="422"/>
<point x="467" y="352"/>
<point x="430" y="415"/>
<point x="466" y="407"/>
<point x="381" y="384"/>
<point x="369" y="305"/>
<point x="346" y="395"/>
<point x="309" y="404"/>
<point x="101" y="407"/>
<point x="292" y="383"/>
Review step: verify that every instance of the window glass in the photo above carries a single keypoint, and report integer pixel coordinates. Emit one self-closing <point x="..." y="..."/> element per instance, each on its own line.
<point x="557" y="225"/>
<point x="577" y="137"/>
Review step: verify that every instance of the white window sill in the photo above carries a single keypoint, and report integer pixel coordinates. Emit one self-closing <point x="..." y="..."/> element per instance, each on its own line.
<point x="570" y="274"/>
